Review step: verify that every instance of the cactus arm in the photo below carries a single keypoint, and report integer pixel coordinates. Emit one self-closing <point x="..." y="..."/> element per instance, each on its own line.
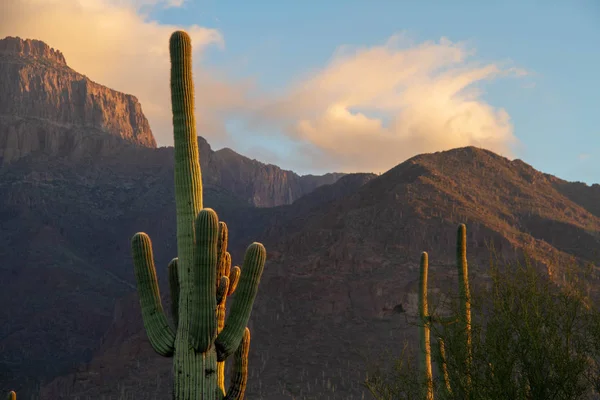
<point x="424" y="329"/>
<point x="223" y="291"/>
<point x="221" y="300"/>
<point x="222" y="250"/>
<point x="232" y="334"/>
<point x="174" y="286"/>
<point x="227" y="270"/>
<point x="239" y="375"/>
<point x="234" y="278"/>
<point x="12" y="395"/>
<point x="155" y="322"/>
<point x="203" y="289"/>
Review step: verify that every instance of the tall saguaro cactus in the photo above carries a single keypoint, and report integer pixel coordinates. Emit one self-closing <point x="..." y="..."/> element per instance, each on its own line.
<point x="201" y="277"/>
<point x="425" y="330"/>
<point x="464" y="319"/>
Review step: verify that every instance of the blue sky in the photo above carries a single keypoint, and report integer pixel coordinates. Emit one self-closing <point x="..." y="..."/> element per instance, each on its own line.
<point x="343" y="85"/>
<point x="557" y="41"/>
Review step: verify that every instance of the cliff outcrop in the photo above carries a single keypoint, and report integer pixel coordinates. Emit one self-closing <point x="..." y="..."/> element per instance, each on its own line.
<point x="45" y="106"/>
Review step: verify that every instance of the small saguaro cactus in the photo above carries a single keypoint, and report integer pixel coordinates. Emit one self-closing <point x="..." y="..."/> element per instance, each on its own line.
<point x="12" y="395"/>
<point x="201" y="277"/>
<point x="464" y="319"/>
<point x="425" y="330"/>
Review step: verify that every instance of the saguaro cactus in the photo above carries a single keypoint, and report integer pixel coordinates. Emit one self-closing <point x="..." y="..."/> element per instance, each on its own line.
<point x="12" y="395"/>
<point x="201" y="277"/>
<point x="464" y="319"/>
<point x="425" y="330"/>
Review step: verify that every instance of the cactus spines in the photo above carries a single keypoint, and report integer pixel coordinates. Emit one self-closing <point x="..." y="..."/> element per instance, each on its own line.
<point x="424" y="329"/>
<point x="201" y="277"/>
<point x="12" y="395"/>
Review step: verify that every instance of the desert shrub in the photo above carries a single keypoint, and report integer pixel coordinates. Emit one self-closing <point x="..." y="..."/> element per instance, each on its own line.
<point x="533" y="337"/>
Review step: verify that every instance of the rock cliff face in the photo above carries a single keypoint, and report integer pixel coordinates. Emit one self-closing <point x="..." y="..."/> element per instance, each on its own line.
<point x="258" y="184"/>
<point x="47" y="107"/>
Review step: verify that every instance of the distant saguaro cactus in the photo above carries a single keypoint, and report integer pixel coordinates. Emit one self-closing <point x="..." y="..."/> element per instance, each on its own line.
<point x="464" y="318"/>
<point x="201" y="277"/>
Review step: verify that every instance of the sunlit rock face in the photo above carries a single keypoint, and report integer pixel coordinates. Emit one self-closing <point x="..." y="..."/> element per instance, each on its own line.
<point x="45" y="106"/>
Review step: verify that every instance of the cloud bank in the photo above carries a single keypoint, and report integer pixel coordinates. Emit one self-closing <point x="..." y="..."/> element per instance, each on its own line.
<point x="368" y="109"/>
<point x="371" y="108"/>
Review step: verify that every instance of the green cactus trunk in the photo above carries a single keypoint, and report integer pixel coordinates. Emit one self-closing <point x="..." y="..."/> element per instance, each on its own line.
<point x="464" y="318"/>
<point x="201" y="277"/>
<point x="425" y="330"/>
<point x="464" y="294"/>
<point x="12" y="395"/>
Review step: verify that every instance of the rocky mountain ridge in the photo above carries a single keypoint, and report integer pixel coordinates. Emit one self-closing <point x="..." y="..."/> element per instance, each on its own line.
<point x="47" y="107"/>
<point x="49" y="110"/>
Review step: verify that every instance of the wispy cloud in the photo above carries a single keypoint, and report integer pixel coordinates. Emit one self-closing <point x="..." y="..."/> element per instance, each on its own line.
<point x="583" y="157"/>
<point x="371" y="108"/>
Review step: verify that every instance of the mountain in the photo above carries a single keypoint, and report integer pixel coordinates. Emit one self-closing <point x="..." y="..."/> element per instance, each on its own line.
<point x="340" y="284"/>
<point x="79" y="175"/>
<point x="259" y="184"/>
<point x="339" y="289"/>
<point x="45" y="106"/>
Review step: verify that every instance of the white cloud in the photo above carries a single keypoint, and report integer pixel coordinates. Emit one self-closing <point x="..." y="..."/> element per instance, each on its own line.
<point x="372" y="108"/>
<point x="583" y="156"/>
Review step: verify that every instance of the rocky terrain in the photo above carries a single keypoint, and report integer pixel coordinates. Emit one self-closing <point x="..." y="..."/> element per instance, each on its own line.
<point x="42" y="99"/>
<point x="340" y="283"/>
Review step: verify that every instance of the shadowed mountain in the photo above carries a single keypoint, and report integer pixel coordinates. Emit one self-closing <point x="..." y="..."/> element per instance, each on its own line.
<point x="340" y="284"/>
<point x="340" y="280"/>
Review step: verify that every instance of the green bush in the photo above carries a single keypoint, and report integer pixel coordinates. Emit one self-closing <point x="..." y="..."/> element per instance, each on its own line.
<point x="532" y="338"/>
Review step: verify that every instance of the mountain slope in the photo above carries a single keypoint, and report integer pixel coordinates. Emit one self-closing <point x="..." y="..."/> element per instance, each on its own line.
<point x="341" y="277"/>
